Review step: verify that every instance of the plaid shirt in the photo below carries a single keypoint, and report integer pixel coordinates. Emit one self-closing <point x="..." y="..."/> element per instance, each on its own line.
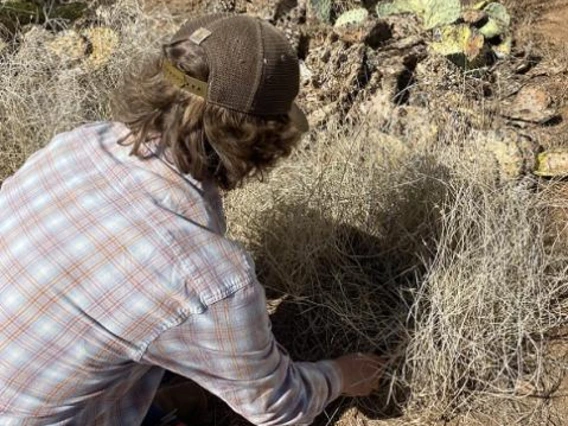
<point x="113" y="269"/>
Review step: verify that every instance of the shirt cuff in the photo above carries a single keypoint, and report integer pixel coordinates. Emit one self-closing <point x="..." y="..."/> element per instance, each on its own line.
<point x="333" y="373"/>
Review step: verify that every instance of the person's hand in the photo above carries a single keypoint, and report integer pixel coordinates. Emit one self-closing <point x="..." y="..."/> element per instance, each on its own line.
<point x="360" y="372"/>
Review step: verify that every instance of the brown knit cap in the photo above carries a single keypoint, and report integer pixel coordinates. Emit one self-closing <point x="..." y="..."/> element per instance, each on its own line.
<point x="253" y="68"/>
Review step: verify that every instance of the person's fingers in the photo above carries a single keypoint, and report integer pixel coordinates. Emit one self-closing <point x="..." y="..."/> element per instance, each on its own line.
<point x="362" y="372"/>
<point x="370" y="357"/>
<point x="375" y="369"/>
<point x="373" y="361"/>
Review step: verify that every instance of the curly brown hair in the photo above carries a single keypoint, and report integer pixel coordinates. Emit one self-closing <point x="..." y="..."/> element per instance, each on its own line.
<point x="206" y="141"/>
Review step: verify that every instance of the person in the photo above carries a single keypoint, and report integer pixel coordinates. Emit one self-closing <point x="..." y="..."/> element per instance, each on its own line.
<point x="114" y="267"/>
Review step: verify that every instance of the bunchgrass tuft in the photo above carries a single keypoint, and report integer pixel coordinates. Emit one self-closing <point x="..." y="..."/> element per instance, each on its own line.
<point x="424" y="258"/>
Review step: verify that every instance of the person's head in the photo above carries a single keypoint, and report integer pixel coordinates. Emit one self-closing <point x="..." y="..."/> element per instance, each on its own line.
<point x="219" y="98"/>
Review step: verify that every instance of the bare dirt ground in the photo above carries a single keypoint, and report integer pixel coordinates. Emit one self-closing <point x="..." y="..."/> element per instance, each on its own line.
<point x="553" y="26"/>
<point x="550" y="19"/>
<point x="541" y="29"/>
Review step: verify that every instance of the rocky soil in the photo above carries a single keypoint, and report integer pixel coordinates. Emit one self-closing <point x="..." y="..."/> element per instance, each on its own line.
<point x="382" y="72"/>
<point x="390" y="74"/>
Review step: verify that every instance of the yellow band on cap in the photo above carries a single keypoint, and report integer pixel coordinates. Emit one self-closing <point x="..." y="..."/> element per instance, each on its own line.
<point x="180" y="79"/>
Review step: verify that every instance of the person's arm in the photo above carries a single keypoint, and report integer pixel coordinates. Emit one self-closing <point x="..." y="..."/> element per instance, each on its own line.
<point x="230" y="351"/>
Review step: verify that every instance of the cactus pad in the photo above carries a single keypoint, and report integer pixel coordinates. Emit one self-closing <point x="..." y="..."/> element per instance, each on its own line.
<point x="352" y="17"/>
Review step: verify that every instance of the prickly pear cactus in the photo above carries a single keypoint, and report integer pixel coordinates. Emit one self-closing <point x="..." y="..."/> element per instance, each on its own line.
<point x="68" y="46"/>
<point x="440" y="12"/>
<point x="434" y="13"/>
<point x="499" y="20"/>
<point x="503" y="49"/>
<point x="103" y="42"/>
<point x="399" y="6"/>
<point x="322" y="9"/>
<point x="352" y="17"/>
<point x="461" y="44"/>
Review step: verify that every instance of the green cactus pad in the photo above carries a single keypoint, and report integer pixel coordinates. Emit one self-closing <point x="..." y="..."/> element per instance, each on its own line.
<point x="322" y="9"/>
<point x="499" y="20"/>
<point x="481" y="5"/>
<point x="434" y="13"/>
<point x="440" y="12"/>
<point x="353" y="16"/>
<point x="399" y="6"/>
<point x="458" y="39"/>
<point x="462" y="45"/>
<point x="552" y="164"/>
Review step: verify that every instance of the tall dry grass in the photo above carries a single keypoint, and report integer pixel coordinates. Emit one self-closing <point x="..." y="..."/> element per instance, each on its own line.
<point x="417" y="253"/>
<point x="42" y="95"/>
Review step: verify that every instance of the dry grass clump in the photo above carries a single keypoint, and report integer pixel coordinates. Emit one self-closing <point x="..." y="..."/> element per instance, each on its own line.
<point x="424" y="258"/>
<point x="42" y="95"/>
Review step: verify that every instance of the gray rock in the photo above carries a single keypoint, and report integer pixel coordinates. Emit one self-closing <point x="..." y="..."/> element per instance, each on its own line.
<point x="531" y="104"/>
<point x="512" y="154"/>
<point x="552" y="164"/>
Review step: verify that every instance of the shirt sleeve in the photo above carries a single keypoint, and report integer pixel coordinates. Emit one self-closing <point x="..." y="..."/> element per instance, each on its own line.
<point x="230" y="351"/>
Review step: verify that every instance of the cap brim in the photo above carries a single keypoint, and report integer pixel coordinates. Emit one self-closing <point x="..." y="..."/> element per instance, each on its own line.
<point x="299" y="118"/>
